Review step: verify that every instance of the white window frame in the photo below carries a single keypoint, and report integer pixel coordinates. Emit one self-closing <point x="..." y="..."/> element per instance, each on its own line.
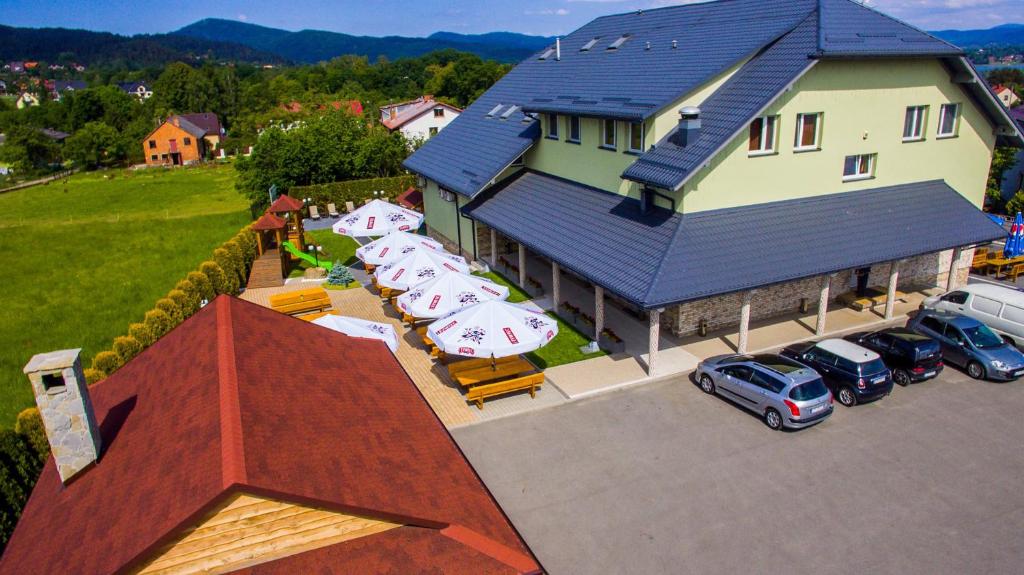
<point x="629" y="141"/>
<point x="569" y="120"/>
<point x="872" y="160"/>
<point x="604" y="134"/>
<point x="940" y="133"/>
<point x="552" y="127"/>
<point x="920" y="123"/>
<point x="816" y="145"/>
<point x="774" y="128"/>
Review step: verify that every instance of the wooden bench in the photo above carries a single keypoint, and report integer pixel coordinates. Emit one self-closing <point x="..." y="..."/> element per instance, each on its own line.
<point x="476" y="363"/>
<point x="1015" y="272"/>
<point x="487" y="374"/>
<point x="868" y="302"/>
<point x="481" y="392"/>
<point x="980" y="260"/>
<point x="318" y="315"/>
<point x="301" y="301"/>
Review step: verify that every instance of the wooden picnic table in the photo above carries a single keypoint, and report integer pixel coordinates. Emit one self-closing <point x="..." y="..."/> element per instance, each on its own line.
<point x="487" y="374"/>
<point x="999" y="263"/>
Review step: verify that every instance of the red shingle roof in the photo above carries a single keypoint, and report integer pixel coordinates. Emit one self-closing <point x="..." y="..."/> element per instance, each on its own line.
<point x="269" y="221"/>
<point x="223" y="404"/>
<point x="285" y="203"/>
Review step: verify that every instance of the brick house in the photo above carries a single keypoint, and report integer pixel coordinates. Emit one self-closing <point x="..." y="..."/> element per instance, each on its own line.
<point x="182" y="139"/>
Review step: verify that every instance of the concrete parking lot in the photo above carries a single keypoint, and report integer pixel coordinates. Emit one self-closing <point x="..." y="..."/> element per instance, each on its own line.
<point x="665" y="479"/>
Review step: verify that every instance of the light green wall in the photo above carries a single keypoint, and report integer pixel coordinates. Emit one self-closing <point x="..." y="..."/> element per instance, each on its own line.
<point x="590" y="164"/>
<point x="864" y="104"/>
<point x="441" y="217"/>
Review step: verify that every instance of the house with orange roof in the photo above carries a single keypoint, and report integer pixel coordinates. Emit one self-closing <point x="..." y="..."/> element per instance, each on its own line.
<point x="1006" y="95"/>
<point x="222" y="449"/>
<point x="182" y="139"/>
<point x="419" y="119"/>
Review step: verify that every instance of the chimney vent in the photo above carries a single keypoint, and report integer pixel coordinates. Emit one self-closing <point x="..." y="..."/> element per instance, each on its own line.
<point x="647" y="45"/>
<point x="558" y="49"/>
<point x="675" y="44"/>
<point x="689" y="126"/>
<point x="58" y="383"/>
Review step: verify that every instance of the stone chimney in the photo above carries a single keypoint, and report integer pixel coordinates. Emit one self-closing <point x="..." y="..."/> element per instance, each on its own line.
<point x="58" y="383"/>
<point x="689" y="126"/>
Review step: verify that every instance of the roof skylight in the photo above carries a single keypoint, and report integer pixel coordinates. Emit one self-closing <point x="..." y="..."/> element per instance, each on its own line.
<point x="622" y="40"/>
<point x="494" y="110"/>
<point x="589" y="44"/>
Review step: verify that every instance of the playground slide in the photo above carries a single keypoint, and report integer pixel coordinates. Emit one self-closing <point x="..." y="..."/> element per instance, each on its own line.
<point x="326" y="264"/>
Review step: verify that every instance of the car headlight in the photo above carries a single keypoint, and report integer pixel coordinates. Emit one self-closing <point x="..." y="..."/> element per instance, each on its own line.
<point x="1000" y="365"/>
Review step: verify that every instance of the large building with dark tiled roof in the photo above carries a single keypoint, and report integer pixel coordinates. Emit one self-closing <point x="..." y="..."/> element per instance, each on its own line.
<point x="227" y="448"/>
<point x="677" y="158"/>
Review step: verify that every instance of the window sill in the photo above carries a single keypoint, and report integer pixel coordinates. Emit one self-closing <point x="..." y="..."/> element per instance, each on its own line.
<point x="946" y="137"/>
<point x="805" y="150"/>
<point x="555" y="138"/>
<point x="576" y="142"/>
<point x="913" y="140"/>
<point x="608" y="148"/>
<point x="761" y="154"/>
<point x="633" y="152"/>
<point x="857" y="178"/>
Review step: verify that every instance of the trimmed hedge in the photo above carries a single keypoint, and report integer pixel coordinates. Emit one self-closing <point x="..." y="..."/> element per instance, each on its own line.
<point x="355" y="191"/>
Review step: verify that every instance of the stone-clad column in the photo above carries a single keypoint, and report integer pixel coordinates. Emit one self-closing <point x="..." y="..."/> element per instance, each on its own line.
<point x="556" y="285"/>
<point x="654" y="331"/>
<point x="598" y="311"/>
<point x="826" y="284"/>
<point x="522" y="266"/>
<point x="954" y="270"/>
<point x="890" y="296"/>
<point x="748" y="296"/>
<point x="494" y="247"/>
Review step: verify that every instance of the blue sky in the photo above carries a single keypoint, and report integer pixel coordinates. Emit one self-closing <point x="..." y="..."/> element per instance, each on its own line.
<point x="422" y="17"/>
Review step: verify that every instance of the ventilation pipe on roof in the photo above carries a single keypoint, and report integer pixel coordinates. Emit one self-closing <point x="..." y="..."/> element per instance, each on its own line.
<point x="558" y="49"/>
<point x="675" y="44"/>
<point x="689" y="126"/>
<point x="647" y="45"/>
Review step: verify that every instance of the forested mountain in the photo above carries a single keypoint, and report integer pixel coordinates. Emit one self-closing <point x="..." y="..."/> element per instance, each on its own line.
<point x="311" y="46"/>
<point x="63" y="45"/>
<point x="1005" y="35"/>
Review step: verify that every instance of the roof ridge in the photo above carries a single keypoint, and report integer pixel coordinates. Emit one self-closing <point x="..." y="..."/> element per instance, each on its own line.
<point x="494" y="549"/>
<point x="901" y="22"/>
<point x="231" y="440"/>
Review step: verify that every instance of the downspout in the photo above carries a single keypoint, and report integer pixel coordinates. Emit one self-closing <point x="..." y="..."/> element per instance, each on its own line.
<point x="458" y="223"/>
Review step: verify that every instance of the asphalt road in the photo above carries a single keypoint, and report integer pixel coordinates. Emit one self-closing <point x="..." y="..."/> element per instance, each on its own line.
<point x="665" y="479"/>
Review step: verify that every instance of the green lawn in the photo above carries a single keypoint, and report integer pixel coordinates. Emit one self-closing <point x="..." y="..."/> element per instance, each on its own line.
<point x="335" y="247"/>
<point x="515" y="293"/>
<point x="84" y="259"/>
<point x="565" y="348"/>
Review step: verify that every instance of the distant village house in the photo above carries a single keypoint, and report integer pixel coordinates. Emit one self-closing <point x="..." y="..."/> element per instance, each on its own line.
<point x="182" y="139"/>
<point x="419" y="119"/>
<point x="1006" y="95"/>
<point x="140" y="90"/>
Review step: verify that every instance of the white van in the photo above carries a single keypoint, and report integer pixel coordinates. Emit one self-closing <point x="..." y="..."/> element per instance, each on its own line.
<point x="1000" y="308"/>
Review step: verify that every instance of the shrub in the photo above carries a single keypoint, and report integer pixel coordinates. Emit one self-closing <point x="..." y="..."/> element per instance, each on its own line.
<point x="126" y="347"/>
<point x="204" y="288"/>
<point x="215" y="275"/>
<point x="19" y="469"/>
<point x="140" y="332"/>
<point x="172" y="310"/>
<point x="92" y="375"/>
<point x="227" y="265"/>
<point x="339" y="275"/>
<point x="354" y="191"/>
<point x="247" y="241"/>
<point x="106" y="362"/>
<point x="30" y="425"/>
<point x="238" y="257"/>
<point x="158" y="323"/>
<point x="191" y="302"/>
<point x="1016" y="204"/>
<point x="183" y="303"/>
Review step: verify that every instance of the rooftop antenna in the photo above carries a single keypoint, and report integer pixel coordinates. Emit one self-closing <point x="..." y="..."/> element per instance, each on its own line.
<point x="558" y="48"/>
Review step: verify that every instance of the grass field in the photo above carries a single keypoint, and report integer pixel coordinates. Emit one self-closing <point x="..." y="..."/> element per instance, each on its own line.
<point x="84" y="259"/>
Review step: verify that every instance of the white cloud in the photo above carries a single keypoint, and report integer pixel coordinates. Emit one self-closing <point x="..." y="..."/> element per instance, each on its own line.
<point x="243" y="17"/>
<point x="547" y="12"/>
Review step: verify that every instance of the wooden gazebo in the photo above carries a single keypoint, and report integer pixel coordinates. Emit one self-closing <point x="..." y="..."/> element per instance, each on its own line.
<point x="273" y="260"/>
<point x="289" y="210"/>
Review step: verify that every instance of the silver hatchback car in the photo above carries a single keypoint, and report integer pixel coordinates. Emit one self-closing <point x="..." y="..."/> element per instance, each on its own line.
<point x="784" y="392"/>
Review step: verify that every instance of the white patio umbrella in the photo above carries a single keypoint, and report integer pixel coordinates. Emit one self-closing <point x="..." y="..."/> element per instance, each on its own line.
<point x="450" y="292"/>
<point x="394" y="246"/>
<point x="356" y="327"/>
<point x="418" y="267"/>
<point x="493" y="328"/>
<point x="377" y="218"/>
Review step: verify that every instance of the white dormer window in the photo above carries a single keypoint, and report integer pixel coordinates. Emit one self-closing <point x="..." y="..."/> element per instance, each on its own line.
<point x="913" y="124"/>
<point x="636" y="137"/>
<point x="949" y="121"/>
<point x="574" y="129"/>
<point x="763" y="135"/>
<point x="552" y="124"/>
<point x="608" y="140"/>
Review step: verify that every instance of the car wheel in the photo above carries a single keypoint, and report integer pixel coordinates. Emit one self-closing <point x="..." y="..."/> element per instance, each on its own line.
<point x="707" y="384"/>
<point x="847" y="397"/>
<point x="773" y="419"/>
<point x="976" y="370"/>
<point x="901" y="377"/>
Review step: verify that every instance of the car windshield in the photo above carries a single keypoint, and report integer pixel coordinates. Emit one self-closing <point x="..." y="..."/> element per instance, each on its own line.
<point x="872" y="367"/>
<point x="982" y="337"/>
<point x="808" y="391"/>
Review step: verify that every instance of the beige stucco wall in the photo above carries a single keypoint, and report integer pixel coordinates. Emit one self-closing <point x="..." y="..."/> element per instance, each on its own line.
<point x="602" y="168"/>
<point x="864" y="104"/>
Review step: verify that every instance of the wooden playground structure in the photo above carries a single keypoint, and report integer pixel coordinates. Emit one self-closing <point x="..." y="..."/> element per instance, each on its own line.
<point x="281" y="223"/>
